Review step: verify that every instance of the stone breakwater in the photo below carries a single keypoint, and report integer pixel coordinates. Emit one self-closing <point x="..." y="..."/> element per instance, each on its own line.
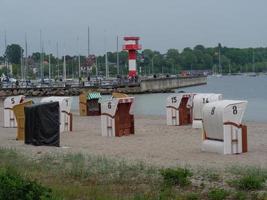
<point x="163" y="85"/>
<point x="36" y="92"/>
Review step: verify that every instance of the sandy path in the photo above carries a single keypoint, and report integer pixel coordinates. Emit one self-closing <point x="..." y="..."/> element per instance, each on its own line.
<point x="154" y="142"/>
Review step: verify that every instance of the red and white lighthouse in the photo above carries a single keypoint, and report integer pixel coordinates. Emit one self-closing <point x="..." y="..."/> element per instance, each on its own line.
<point x="131" y="45"/>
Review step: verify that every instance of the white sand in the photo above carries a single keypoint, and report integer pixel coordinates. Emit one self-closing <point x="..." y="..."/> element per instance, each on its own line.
<point x="153" y="142"/>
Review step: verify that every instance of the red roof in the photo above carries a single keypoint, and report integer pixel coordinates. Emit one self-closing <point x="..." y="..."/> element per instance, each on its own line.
<point x="131" y="38"/>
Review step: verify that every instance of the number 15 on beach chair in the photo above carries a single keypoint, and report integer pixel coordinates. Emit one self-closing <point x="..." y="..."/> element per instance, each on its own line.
<point x="179" y="109"/>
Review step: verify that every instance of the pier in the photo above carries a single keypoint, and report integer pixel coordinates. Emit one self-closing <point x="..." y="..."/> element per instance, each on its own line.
<point x="152" y="85"/>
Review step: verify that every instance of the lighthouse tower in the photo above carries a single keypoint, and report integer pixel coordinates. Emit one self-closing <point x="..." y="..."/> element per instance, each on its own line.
<point x="131" y="45"/>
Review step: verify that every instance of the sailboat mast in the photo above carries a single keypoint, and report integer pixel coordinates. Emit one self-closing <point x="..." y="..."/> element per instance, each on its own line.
<point x="106" y="56"/>
<point x="57" y="62"/>
<point x="88" y="40"/>
<point x="49" y="61"/>
<point x="118" y="65"/>
<point x="64" y="68"/>
<point x="79" y="58"/>
<point x="220" y="67"/>
<point x="88" y="49"/>
<point x="21" y="63"/>
<point x="253" y="61"/>
<point x="6" y="62"/>
<point x="41" y="56"/>
<point x="26" y="57"/>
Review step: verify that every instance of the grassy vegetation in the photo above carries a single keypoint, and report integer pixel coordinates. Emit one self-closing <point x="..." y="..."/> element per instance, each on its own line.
<point x="75" y="176"/>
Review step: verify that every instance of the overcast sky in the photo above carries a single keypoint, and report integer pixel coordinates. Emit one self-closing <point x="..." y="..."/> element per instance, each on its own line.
<point x="160" y="24"/>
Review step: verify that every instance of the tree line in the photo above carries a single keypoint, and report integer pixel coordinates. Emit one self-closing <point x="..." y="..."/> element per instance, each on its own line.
<point x="149" y="62"/>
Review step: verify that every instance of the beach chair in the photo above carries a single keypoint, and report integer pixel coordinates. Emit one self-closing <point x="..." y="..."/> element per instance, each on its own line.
<point x="119" y="95"/>
<point x="222" y="129"/>
<point x="42" y="126"/>
<point x="179" y="109"/>
<point x="89" y="103"/>
<point x="66" y="118"/>
<point x="117" y="118"/>
<point x="199" y="101"/>
<point x="9" y="103"/>
<point x="83" y="103"/>
<point x="20" y="117"/>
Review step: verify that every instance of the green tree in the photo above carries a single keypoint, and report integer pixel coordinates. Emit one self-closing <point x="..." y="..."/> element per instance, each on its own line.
<point x="14" y="53"/>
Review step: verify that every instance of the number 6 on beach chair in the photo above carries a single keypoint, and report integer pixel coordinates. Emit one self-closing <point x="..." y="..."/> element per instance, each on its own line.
<point x="117" y="118"/>
<point x="222" y="129"/>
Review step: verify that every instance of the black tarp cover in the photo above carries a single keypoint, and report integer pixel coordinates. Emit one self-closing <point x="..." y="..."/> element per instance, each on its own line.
<point x="42" y="124"/>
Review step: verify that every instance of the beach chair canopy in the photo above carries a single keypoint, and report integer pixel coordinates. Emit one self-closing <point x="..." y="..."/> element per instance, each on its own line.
<point x="174" y="100"/>
<point x="119" y="95"/>
<point x="200" y="100"/>
<point x="110" y="106"/>
<point x="64" y="102"/>
<point x="217" y="113"/>
<point x="9" y="102"/>
<point x="94" y="95"/>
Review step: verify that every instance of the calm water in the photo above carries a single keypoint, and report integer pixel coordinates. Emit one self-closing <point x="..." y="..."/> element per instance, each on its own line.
<point x="252" y="89"/>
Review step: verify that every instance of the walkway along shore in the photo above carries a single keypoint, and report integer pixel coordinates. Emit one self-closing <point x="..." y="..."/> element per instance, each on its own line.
<point x="157" y="85"/>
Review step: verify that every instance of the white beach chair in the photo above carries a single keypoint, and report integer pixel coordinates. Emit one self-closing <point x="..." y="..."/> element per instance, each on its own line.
<point x="179" y="109"/>
<point x="65" y="108"/>
<point x="117" y="118"/>
<point x="9" y="117"/>
<point x="222" y="129"/>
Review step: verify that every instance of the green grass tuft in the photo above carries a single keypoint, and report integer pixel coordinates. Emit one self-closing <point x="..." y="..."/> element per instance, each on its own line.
<point x="249" y="182"/>
<point x="217" y="194"/>
<point x="178" y="176"/>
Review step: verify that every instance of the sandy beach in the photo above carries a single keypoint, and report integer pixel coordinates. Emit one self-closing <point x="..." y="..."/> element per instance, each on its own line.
<point x="153" y="142"/>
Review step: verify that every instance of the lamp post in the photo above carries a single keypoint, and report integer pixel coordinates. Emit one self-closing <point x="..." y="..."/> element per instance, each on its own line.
<point x="152" y="62"/>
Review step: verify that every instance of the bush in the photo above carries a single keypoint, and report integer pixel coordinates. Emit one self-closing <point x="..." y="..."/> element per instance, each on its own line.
<point x="217" y="194"/>
<point x="177" y="176"/>
<point x="192" y="196"/>
<point x="249" y="182"/>
<point x="13" y="186"/>
<point x="240" y="196"/>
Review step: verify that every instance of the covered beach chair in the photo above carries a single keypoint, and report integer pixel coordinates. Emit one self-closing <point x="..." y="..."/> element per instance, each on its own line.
<point x="66" y="121"/>
<point x="89" y="103"/>
<point x="93" y="105"/>
<point x="199" y="101"/>
<point x="20" y="117"/>
<point x="9" y="103"/>
<point x="117" y="118"/>
<point x="83" y="103"/>
<point x="42" y="124"/>
<point x="179" y="109"/>
<point x="222" y="129"/>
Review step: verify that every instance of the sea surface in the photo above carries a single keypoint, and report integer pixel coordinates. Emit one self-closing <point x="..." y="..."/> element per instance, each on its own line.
<point x="252" y="89"/>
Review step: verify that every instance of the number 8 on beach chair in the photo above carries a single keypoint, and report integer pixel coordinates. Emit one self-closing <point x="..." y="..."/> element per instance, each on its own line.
<point x="222" y="129"/>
